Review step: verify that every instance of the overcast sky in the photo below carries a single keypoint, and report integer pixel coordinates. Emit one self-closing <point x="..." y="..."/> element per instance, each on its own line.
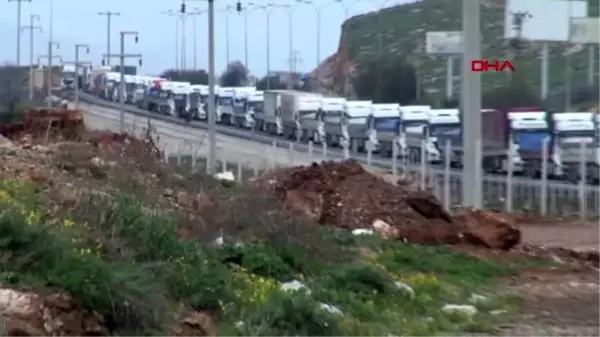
<point x="78" y="22"/>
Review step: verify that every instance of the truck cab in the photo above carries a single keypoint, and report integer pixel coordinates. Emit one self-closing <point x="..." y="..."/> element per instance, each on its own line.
<point x="255" y="105"/>
<point x="299" y="109"/>
<point x="110" y="82"/>
<point x="130" y="86"/>
<point x="240" y="112"/>
<point x="327" y="125"/>
<point x="570" y="130"/>
<point x="444" y="126"/>
<point x="383" y="127"/>
<point x="197" y="110"/>
<point x="69" y="77"/>
<point x="181" y="98"/>
<point x="225" y="105"/>
<point x="527" y="133"/>
<point x="159" y="98"/>
<point x="141" y="85"/>
<point x="413" y="124"/>
<point x="354" y="131"/>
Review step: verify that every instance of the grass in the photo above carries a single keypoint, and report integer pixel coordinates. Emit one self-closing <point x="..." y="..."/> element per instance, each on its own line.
<point x="401" y="30"/>
<point x="125" y="254"/>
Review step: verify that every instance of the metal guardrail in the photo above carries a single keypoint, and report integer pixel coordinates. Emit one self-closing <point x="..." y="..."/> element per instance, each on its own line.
<point x="543" y="196"/>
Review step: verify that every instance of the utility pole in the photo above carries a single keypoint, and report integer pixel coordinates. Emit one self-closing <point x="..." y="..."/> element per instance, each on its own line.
<point x="294" y="61"/>
<point x="471" y="104"/>
<point x="212" y="139"/>
<point x="51" y="44"/>
<point x="19" y="9"/>
<point x="32" y="28"/>
<point x="78" y="64"/>
<point x="122" y="56"/>
<point x="108" y="15"/>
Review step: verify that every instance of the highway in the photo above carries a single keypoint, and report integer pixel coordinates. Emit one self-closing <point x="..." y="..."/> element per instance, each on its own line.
<point x="561" y="198"/>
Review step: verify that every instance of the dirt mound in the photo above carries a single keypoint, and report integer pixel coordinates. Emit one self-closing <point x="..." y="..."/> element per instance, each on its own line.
<point x="345" y="195"/>
<point x="42" y="123"/>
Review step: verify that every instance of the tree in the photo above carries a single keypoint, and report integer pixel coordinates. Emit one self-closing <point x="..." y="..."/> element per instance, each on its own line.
<point x="192" y="76"/>
<point x="388" y="79"/>
<point x="515" y="93"/>
<point x="270" y="83"/>
<point x="236" y="75"/>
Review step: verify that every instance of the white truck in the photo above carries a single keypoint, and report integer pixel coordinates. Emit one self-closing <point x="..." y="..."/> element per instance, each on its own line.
<point x="241" y="116"/>
<point x="286" y="110"/>
<point x="570" y="131"/>
<point x="159" y="98"/>
<point x="197" y="109"/>
<point x="413" y="124"/>
<point x="225" y="105"/>
<point x="527" y="132"/>
<point x="384" y="127"/>
<point x="255" y="104"/>
<point x="270" y="121"/>
<point x="330" y="119"/>
<point x="350" y="131"/>
<point x="181" y="98"/>
<point x="444" y="128"/>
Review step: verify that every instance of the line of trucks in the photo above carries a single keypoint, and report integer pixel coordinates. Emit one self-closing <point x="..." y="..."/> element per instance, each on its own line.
<point x="515" y="136"/>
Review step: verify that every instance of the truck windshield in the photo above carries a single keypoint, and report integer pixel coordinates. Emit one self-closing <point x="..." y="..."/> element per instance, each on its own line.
<point x="445" y="130"/>
<point x="530" y="139"/>
<point x="256" y="106"/>
<point x="386" y="124"/>
<point x="225" y="101"/>
<point x="332" y="116"/>
<point x="573" y="138"/>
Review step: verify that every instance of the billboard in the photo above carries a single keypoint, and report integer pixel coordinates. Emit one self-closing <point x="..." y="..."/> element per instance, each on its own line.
<point x="444" y="43"/>
<point x="545" y="20"/>
<point x="585" y="31"/>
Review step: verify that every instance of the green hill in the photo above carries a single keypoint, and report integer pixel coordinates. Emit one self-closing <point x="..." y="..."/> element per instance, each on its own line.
<point x="401" y="30"/>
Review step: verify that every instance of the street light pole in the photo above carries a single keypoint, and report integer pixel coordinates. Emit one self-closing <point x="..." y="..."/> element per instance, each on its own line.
<point x="32" y="28"/>
<point x="19" y="10"/>
<point x="122" y="56"/>
<point x="109" y="15"/>
<point x="77" y="64"/>
<point x="471" y="104"/>
<point x="51" y="44"/>
<point x="212" y="139"/>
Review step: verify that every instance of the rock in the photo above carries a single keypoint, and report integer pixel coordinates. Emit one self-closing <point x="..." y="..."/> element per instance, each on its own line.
<point x="405" y="288"/>
<point x="195" y="323"/>
<point x="182" y="199"/>
<point x="331" y="309"/>
<point x="167" y="192"/>
<point x="202" y="202"/>
<point x="98" y="162"/>
<point x="226" y="176"/>
<point x="384" y="230"/>
<point x="37" y="175"/>
<point x="428" y="206"/>
<point x="490" y="229"/>
<point x="463" y="309"/>
<point x="6" y="144"/>
<point x="66" y="197"/>
<point x="295" y="285"/>
<point x="477" y="299"/>
<point x="305" y="203"/>
<point x="362" y="231"/>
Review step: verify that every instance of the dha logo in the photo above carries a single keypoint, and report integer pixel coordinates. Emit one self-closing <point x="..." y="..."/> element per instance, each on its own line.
<point x="486" y="66"/>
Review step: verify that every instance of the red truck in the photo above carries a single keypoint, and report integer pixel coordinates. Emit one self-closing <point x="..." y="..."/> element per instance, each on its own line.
<point x="496" y="133"/>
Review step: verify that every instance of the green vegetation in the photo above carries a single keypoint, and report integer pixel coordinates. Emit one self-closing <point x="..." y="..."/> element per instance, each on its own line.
<point x="122" y="258"/>
<point x="401" y="31"/>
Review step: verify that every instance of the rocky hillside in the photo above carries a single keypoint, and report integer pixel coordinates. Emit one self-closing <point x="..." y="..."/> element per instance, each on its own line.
<point x="401" y="30"/>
